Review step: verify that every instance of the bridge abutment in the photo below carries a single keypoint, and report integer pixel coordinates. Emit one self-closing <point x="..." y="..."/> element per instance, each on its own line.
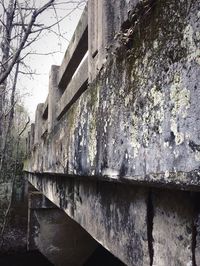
<point x="55" y="234"/>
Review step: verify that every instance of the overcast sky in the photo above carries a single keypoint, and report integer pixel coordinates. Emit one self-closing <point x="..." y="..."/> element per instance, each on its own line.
<point x="35" y="90"/>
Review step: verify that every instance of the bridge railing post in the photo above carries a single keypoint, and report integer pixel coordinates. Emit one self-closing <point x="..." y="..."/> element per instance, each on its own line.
<point x="54" y="96"/>
<point x="28" y="148"/>
<point x="32" y="135"/>
<point x="38" y="123"/>
<point x="97" y="35"/>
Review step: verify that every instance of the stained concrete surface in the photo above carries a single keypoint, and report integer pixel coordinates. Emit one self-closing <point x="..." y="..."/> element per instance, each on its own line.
<point x="137" y="123"/>
<point x="139" y="119"/>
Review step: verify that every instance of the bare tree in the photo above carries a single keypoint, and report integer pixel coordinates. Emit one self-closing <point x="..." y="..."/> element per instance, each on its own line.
<point x="21" y="25"/>
<point x="21" y="21"/>
<point x="20" y="28"/>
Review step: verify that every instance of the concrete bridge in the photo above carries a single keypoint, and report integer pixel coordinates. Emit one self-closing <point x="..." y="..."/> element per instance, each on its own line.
<point x="115" y="150"/>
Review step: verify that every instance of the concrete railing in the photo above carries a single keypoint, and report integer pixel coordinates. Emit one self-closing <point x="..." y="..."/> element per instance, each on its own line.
<point x="84" y="58"/>
<point x="66" y="83"/>
<point x="73" y="72"/>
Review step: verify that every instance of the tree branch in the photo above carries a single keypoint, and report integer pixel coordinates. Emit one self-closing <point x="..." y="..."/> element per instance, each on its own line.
<point x="35" y="14"/>
<point x="21" y="16"/>
<point x="24" y="128"/>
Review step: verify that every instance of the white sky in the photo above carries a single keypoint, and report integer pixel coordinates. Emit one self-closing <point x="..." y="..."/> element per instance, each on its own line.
<point x="35" y="90"/>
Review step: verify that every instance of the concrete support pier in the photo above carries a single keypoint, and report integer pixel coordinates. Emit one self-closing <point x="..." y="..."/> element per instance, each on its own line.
<point x="55" y="234"/>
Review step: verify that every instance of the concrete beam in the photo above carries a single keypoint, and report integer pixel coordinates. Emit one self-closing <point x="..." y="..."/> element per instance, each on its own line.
<point x="113" y="214"/>
<point x="75" y="52"/>
<point x="140" y="226"/>
<point x="172" y="232"/>
<point x="74" y="89"/>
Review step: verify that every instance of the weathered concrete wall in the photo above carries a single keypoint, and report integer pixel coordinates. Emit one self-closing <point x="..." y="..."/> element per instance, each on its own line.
<point x="139" y="119"/>
<point x="173" y="235"/>
<point x="112" y="220"/>
<point x="138" y="122"/>
<point x="140" y="226"/>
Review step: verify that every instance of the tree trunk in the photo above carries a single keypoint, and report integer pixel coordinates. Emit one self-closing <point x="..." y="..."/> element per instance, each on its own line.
<point x="5" y="48"/>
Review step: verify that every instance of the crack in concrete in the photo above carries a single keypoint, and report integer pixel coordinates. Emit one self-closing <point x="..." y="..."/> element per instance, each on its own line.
<point x="194" y="234"/>
<point x="150" y="216"/>
<point x="196" y="197"/>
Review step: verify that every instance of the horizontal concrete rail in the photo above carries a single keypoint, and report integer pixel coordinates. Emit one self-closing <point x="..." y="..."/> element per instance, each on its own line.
<point x="77" y="85"/>
<point x="75" y="52"/>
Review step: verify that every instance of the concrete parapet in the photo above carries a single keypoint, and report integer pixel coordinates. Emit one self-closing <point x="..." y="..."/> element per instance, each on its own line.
<point x="138" y="121"/>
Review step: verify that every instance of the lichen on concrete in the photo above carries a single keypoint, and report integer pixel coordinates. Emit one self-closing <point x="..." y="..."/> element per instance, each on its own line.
<point x="140" y="115"/>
